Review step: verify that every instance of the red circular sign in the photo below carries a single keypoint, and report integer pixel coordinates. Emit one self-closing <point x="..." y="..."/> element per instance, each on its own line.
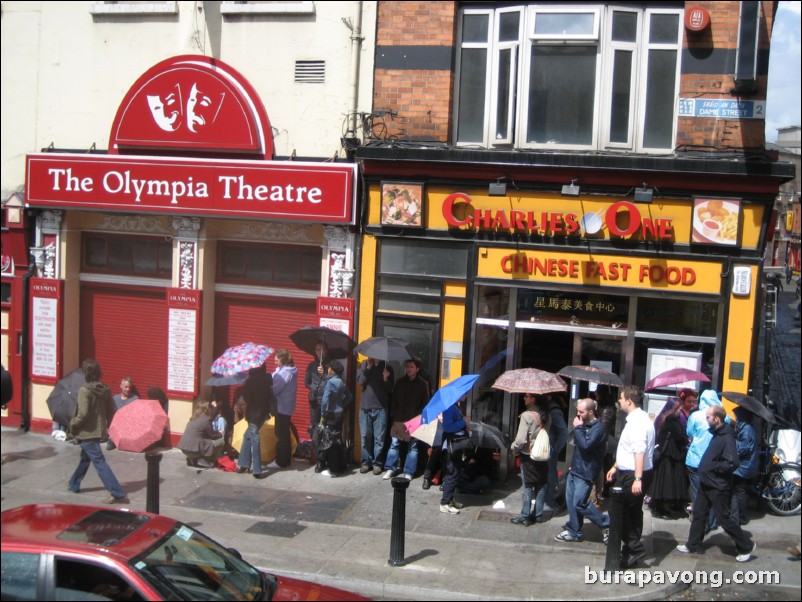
<point x="696" y="18"/>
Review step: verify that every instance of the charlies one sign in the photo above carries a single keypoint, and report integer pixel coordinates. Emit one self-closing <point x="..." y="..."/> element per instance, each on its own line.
<point x="622" y="220"/>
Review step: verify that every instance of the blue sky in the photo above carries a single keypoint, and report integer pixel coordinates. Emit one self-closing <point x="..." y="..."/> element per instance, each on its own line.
<point x="785" y="94"/>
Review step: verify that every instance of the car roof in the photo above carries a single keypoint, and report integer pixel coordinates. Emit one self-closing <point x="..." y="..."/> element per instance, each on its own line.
<point x="83" y="528"/>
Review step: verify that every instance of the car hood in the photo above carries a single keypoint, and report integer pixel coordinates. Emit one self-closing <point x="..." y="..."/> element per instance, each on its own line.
<point x="295" y="589"/>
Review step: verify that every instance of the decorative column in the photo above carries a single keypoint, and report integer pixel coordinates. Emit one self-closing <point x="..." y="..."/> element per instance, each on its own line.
<point x="45" y="254"/>
<point x="186" y="234"/>
<point x="340" y="277"/>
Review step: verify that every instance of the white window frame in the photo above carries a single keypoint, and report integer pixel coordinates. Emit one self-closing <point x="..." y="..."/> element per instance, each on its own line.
<point x="605" y="53"/>
<point x="134" y="8"/>
<point x="515" y="76"/>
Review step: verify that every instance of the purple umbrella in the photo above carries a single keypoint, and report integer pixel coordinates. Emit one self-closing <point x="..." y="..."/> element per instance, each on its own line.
<point x="675" y="376"/>
<point x="241" y="358"/>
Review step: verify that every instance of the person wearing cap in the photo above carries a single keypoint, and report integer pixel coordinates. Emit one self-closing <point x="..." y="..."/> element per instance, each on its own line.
<point x="331" y="460"/>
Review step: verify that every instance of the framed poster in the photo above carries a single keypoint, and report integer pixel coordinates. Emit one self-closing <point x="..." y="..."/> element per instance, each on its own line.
<point x="402" y="204"/>
<point x="716" y="221"/>
<point x="661" y="360"/>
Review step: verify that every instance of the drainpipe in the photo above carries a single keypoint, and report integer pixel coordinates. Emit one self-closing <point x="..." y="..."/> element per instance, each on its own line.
<point x="356" y="52"/>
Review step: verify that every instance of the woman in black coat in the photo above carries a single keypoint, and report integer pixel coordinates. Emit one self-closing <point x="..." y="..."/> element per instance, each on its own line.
<point x="670" y="482"/>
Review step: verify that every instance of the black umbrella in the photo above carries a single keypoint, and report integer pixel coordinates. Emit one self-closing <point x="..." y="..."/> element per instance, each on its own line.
<point x="64" y="397"/>
<point x="338" y="343"/>
<point x="591" y="374"/>
<point x="389" y="349"/>
<point x="218" y="380"/>
<point x="750" y="404"/>
<point x="486" y="436"/>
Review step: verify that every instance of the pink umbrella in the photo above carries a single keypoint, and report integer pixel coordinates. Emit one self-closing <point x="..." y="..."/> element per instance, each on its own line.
<point x="676" y="376"/>
<point x="529" y="380"/>
<point x="138" y="425"/>
<point x="241" y="358"/>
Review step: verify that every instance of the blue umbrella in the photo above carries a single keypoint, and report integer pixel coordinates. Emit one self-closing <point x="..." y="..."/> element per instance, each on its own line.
<point x="446" y="396"/>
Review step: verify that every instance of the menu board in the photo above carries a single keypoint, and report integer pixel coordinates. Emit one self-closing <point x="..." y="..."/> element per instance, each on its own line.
<point x="661" y="360"/>
<point x="45" y="333"/>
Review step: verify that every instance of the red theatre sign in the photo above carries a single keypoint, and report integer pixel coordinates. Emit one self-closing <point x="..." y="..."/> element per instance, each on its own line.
<point x="258" y="189"/>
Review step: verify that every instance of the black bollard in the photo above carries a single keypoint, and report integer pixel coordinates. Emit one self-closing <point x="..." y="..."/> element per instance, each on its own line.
<point x="400" y="485"/>
<point x="153" y="459"/>
<point x="615" y="509"/>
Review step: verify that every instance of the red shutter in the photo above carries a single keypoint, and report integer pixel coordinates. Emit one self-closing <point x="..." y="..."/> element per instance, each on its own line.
<point x="125" y="330"/>
<point x="268" y="321"/>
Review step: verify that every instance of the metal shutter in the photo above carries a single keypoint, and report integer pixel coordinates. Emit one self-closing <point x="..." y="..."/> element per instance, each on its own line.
<point x="125" y="330"/>
<point x="268" y="321"/>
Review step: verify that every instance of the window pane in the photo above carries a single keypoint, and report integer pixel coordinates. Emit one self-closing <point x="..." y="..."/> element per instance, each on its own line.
<point x="20" y="572"/>
<point x="663" y="29"/>
<point x="233" y="262"/>
<point x="165" y="258"/>
<point x="621" y="94"/>
<point x="95" y="253"/>
<point x="310" y="273"/>
<point x="146" y="257"/>
<point x="399" y="284"/>
<point x="660" y="99"/>
<point x="625" y="26"/>
<point x="120" y="254"/>
<point x="473" y="70"/>
<point x="420" y="306"/>
<point x="287" y="267"/>
<point x="562" y="94"/>
<point x="509" y="26"/>
<point x="260" y="264"/>
<point x="503" y="94"/>
<point x="425" y="259"/>
<point x="564" y="23"/>
<point x="475" y="28"/>
<point x="695" y="318"/>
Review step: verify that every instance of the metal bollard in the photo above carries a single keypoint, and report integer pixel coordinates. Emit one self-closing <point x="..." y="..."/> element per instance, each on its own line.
<point x="615" y="509"/>
<point x="400" y="485"/>
<point x="153" y="459"/>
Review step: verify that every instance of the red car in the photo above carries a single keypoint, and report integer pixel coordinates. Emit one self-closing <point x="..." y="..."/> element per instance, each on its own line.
<point x="66" y="552"/>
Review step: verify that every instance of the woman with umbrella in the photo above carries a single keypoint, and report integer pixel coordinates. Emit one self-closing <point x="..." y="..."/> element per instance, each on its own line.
<point x="534" y="475"/>
<point x="670" y="481"/>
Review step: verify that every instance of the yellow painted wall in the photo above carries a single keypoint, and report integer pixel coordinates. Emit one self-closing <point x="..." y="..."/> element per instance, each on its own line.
<point x="740" y="330"/>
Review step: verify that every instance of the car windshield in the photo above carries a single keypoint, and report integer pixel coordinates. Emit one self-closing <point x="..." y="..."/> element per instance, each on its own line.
<point x="186" y="565"/>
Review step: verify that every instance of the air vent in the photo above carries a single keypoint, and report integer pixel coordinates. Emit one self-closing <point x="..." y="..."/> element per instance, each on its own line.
<point x="310" y="72"/>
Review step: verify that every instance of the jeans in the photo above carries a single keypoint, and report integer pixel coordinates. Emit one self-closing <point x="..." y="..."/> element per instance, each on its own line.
<point x="538" y="493"/>
<point x="373" y="426"/>
<point x="577" y="495"/>
<point x="693" y="476"/>
<point x="91" y="453"/>
<point x="410" y="464"/>
<point x="251" y="451"/>
<point x="450" y="478"/>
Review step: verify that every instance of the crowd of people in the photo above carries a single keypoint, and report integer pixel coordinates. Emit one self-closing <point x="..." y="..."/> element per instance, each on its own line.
<point x="690" y="458"/>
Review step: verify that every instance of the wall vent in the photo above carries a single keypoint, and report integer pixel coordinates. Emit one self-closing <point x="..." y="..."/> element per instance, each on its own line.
<point x="310" y="72"/>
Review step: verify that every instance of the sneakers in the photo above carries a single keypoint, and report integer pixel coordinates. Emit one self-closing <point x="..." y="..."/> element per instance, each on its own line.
<point x="746" y="556"/>
<point x="606" y="535"/>
<point x="326" y="473"/>
<point x="521" y="520"/>
<point x="388" y="475"/>
<point x="683" y="549"/>
<point x="273" y="466"/>
<point x="450" y="508"/>
<point x="567" y="537"/>
<point x="377" y="470"/>
<point x="117" y="500"/>
<point x="407" y="476"/>
<point x="363" y="469"/>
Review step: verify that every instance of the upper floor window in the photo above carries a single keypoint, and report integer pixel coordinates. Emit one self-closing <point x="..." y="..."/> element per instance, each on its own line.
<point x="577" y="76"/>
<point x="127" y="255"/>
<point x="250" y="264"/>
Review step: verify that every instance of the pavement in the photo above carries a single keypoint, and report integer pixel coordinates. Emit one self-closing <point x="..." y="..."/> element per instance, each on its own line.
<point x="337" y="530"/>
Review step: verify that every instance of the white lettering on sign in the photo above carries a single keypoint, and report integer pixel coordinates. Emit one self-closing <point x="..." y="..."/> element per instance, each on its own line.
<point x="236" y="187"/>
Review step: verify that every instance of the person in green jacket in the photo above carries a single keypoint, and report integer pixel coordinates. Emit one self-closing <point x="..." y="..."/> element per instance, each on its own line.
<point x="89" y="426"/>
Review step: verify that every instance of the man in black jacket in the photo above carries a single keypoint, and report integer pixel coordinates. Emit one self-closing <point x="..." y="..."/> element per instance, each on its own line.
<point x="715" y="489"/>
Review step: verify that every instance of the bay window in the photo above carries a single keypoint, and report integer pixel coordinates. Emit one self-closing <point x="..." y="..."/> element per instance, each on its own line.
<point x="573" y="77"/>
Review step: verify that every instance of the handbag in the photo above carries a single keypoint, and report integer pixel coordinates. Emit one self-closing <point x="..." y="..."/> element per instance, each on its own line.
<point x="539" y="451"/>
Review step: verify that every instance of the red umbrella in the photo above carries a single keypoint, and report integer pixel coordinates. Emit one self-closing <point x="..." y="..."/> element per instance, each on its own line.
<point x="675" y="376"/>
<point x="138" y="425"/>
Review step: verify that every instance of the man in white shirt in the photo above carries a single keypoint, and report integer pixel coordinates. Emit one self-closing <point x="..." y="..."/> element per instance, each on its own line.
<point x="632" y="471"/>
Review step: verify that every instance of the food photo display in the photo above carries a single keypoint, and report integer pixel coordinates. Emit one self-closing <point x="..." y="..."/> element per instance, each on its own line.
<point x="716" y="221"/>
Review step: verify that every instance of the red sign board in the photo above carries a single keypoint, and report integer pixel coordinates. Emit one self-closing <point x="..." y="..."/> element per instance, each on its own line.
<point x="183" y="341"/>
<point x="46" y="309"/>
<point x="336" y="313"/>
<point x="316" y="192"/>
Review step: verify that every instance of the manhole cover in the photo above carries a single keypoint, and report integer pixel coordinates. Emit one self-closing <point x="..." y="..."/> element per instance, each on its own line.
<point x="492" y="516"/>
<point x="275" y="529"/>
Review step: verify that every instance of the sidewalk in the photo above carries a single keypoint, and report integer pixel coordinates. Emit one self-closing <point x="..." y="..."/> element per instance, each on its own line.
<point x="337" y="531"/>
